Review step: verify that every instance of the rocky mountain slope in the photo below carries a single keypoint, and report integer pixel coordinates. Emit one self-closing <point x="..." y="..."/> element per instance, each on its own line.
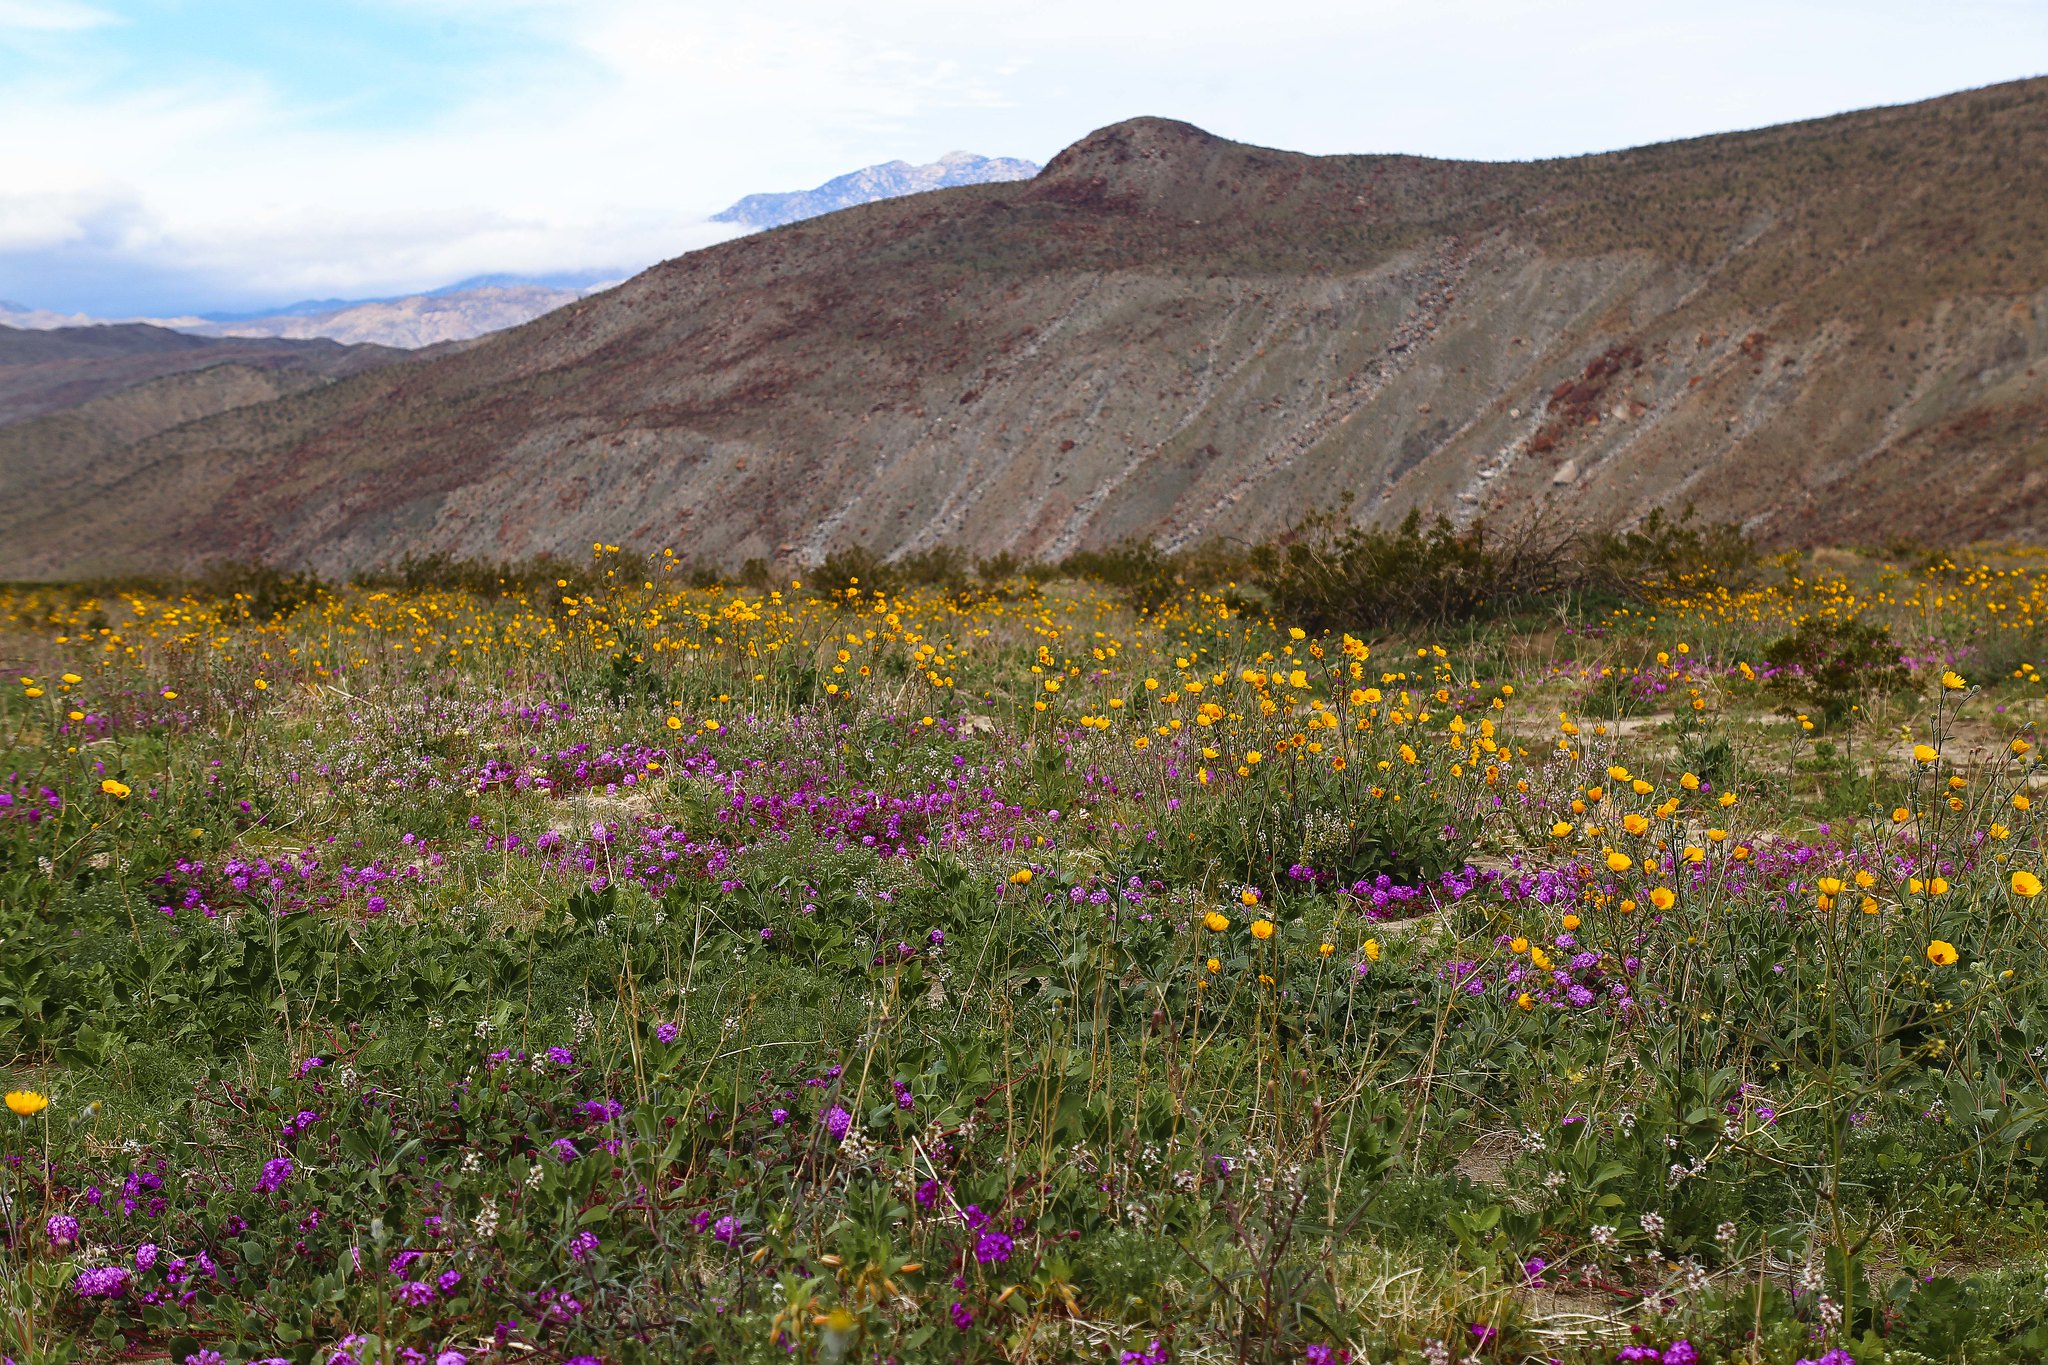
<point x="872" y="184"/>
<point x="1827" y="331"/>
<point x="43" y="371"/>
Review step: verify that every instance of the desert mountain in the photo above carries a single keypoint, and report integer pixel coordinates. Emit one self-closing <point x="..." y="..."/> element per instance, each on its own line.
<point x="415" y="320"/>
<point x="456" y="313"/>
<point x="43" y="371"/>
<point x="1827" y="331"/>
<point x="874" y="183"/>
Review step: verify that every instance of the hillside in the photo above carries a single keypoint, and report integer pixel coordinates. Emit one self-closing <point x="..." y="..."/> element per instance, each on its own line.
<point x="45" y="371"/>
<point x="1828" y="331"/>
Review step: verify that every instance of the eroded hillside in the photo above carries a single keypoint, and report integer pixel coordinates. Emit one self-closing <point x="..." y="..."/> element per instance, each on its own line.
<point x="1826" y="331"/>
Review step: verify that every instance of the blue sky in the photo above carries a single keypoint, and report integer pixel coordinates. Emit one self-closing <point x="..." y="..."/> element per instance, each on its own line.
<point x="168" y="156"/>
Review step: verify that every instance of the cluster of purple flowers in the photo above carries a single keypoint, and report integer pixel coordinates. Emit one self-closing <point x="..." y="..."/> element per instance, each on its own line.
<point x="1679" y="1352"/>
<point x="276" y="1172"/>
<point x="19" y="805"/>
<point x="101" y="1282"/>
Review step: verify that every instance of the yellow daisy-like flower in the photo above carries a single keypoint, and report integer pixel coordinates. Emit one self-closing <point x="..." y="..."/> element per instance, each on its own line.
<point x="1561" y="830"/>
<point x="1941" y="953"/>
<point x="1571" y="922"/>
<point x="1663" y="897"/>
<point x="1619" y="862"/>
<point x="1519" y="945"/>
<point x="27" y="1103"/>
<point x="1021" y="877"/>
<point x="118" y="790"/>
<point x="1925" y="753"/>
<point x="1215" y="921"/>
<point x="1953" y="681"/>
<point x="1249" y="896"/>
<point x="2026" y="884"/>
<point x="1262" y="929"/>
<point x="1372" y="950"/>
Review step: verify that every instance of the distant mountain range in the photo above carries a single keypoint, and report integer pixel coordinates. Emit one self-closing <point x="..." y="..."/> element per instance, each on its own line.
<point x="491" y="303"/>
<point x="891" y="180"/>
<point x="456" y="313"/>
<point x="1829" y="332"/>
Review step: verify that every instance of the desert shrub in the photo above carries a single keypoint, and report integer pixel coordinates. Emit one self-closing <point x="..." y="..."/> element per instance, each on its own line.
<point x="1663" y="555"/>
<point x="261" y="592"/>
<point x="1829" y="667"/>
<point x="853" y="566"/>
<point x="1328" y="574"/>
<point x="443" y="572"/>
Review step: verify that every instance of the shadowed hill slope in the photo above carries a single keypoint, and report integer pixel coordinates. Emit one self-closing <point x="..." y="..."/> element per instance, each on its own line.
<point x="47" y="370"/>
<point x="1828" y="331"/>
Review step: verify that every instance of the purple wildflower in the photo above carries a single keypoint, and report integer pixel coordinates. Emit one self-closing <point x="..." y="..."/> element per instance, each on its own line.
<point x="101" y="1282"/>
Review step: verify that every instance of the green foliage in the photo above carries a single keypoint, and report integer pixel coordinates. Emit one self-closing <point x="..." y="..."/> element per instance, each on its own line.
<point x="1828" y="667"/>
<point x="1331" y="574"/>
<point x="886" y="1018"/>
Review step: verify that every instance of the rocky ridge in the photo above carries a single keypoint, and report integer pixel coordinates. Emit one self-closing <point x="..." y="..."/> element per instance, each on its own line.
<point x="1830" y="331"/>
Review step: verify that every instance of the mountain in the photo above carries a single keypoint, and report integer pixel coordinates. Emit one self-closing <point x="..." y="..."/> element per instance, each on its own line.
<point x="1830" y="331"/>
<point x="888" y="181"/>
<point x="414" y="320"/>
<point x="44" y="371"/>
<point x="73" y="399"/>
<point x="488" y="303"/>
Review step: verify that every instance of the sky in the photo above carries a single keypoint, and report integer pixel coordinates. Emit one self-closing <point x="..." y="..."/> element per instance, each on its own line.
<point x="173" y="156"/>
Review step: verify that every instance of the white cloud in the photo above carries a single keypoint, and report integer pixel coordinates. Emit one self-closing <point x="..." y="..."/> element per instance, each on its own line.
<point x="50" y="16"/>
<point x="648" y="116"/>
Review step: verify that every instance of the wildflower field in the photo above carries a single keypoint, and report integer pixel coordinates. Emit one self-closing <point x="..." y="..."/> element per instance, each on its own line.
<point x="603" y="968"/>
